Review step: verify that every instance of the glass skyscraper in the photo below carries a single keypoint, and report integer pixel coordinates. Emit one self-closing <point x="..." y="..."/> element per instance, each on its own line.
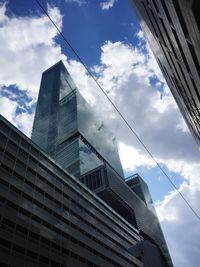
<point x="68" y="129"/>
<point x="72" y="133"/>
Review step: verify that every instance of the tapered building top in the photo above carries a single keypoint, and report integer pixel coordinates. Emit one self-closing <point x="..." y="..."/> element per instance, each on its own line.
<point x="68" y="129"/>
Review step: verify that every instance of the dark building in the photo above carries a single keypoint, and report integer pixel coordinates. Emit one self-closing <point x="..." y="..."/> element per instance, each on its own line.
<point x="70" y="131"/>
<point x="147" y="220"/>
<point x="173" y="31"/>
<point x="49" y="218"/>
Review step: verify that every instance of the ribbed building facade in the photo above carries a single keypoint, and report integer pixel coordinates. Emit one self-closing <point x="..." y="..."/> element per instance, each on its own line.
<point x="49" y="218"/>
<point x="172" y="28"/>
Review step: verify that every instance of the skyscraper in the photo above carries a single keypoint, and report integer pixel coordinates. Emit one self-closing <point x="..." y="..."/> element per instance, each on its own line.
<point x="71" y="132"/>
<point x="173" y="32"/>
<point x="68" y="129"/>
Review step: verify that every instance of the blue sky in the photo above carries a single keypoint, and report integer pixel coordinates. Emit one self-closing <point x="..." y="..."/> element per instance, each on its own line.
<point x="87" y="27"/>
<point x="111" y="44"/>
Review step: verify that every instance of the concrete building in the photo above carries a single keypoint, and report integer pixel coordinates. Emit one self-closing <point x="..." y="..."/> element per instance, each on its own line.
<point x="172" y="28"/>
<point x="49" y="218"/>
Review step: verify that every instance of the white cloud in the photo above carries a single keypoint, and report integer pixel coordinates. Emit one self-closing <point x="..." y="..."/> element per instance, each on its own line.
<point x="180" y="226"/>
<point x="27" y="48"/>
<point x="182" y="126"/>
<point x="8" y="108"/>
<point x="78" y="2"/>
<point x="107" y="4"/>
<point x="132" y="158"/>
<point x="3" y="18"/>
<point x="24" y="122"/>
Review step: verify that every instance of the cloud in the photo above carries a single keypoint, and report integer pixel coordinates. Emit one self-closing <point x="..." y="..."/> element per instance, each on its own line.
<point x="78" y="2"/>
<point x="126" y="72"/>
<point x="8" y="108"/>
<point x="26" y="43"/>
<point x="107" y="4"/>
<point x="180" y="226"/>
<point x="27" y="48"/>
<point x="132" y="158"/>
<point x="24" y="122"/>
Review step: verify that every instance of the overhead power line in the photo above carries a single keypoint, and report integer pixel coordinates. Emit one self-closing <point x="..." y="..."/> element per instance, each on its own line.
<point x="118" y="111"/>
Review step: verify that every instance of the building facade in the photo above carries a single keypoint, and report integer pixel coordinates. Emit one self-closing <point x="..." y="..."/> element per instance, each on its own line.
<point x="172" y="28"/>
<point x="131" y="199"/>
<point x="49" y="218"/>
<point x="67" y="128"/>
<point x="83" y="145"/>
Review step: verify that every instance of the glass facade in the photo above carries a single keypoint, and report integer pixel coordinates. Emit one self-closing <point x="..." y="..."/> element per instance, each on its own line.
<point x="67" y="128"/>
<point x="97" y="134"/>
<point x="77" y="138"/>
<point x="49" y="218"/>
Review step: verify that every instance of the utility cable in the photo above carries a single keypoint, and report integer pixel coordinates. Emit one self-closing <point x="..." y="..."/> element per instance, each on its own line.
<point x="120" y="114"/>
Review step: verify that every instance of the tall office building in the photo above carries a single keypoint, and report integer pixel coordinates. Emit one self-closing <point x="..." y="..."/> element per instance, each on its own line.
<point x="173" y="31"/>
<point x="49" y="218"/>
<point x="70" y="131"/>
